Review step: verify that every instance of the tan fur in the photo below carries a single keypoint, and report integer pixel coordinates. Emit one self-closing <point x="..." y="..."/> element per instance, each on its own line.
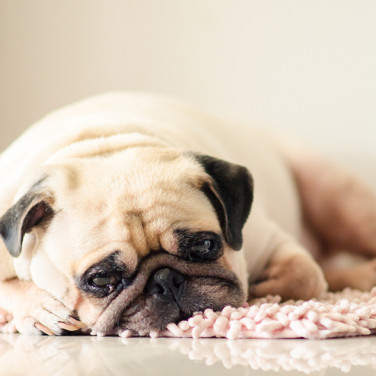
<point x="117" y="171"/>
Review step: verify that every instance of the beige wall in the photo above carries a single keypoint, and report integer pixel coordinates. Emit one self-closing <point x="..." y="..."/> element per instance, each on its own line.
<point x="300" y="66"/>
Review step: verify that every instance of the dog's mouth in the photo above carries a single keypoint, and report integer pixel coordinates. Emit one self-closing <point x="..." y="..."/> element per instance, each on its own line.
<point x="168" y="289"/>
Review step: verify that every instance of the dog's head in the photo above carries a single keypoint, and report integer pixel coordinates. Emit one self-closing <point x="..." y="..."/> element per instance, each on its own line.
<point x="135" y="239"/>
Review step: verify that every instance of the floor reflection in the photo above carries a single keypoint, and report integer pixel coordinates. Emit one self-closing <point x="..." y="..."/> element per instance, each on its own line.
<point x="84" y="355"/>
<point x="288" y="355"/>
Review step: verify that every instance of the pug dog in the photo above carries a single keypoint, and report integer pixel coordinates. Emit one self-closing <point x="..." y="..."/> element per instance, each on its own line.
<point x="132" y="211"/>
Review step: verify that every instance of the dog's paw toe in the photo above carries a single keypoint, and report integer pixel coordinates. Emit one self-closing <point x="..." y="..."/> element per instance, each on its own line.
<point x="28" y="325"/>
<point x="44" y="323"/>
<point x="45" y="315"/>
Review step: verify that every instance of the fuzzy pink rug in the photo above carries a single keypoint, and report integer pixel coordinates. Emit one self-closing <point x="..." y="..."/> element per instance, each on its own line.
<point x="344" y="314"/>
<point x="347" y="313"/>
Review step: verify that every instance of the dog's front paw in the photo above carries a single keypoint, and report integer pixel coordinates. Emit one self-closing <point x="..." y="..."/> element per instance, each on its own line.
<point x="40" y="313"/>
<point x="295" y="277"/>
<point x="5" y="322"/>
<point x="5" y="316"/>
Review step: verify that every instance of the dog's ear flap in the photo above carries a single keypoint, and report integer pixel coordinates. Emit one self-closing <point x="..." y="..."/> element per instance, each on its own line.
<point x="29" y="211"/>
<point x="230" y="191"/>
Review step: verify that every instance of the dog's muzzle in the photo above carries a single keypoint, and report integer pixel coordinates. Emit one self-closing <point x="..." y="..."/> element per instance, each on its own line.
<point x="164" y="277"/>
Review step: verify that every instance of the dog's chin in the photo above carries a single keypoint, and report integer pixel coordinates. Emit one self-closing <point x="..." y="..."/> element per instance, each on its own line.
<point x="152" y="312"/>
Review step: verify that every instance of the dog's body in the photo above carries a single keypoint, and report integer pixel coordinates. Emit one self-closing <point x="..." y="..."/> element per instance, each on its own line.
<point x="112" y="204"/>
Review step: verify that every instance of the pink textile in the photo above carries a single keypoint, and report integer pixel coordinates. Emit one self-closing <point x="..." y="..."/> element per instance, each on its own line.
<point x="343" y="314"/>
<point x="347" y="313"/>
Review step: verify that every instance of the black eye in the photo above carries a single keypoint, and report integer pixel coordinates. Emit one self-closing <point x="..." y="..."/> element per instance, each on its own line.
<point x="108" y="276"/>
<point x="104" y="281"/>
<point x="103" y="284"/>
<point x="203" y="246"/>
<point x="200" y="246"/>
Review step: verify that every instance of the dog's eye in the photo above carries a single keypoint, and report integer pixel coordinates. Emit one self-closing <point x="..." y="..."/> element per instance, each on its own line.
<point x="104" y="284"/>
<point x="108" y="276"/>
<point x="200" y="246"/>
<point x="103" y="281"/>
<point x="204" y="246"/>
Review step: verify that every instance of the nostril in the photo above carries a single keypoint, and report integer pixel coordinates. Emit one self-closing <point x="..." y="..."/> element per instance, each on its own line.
<point x="177" y="279"/>
<point x="166" y="283"/>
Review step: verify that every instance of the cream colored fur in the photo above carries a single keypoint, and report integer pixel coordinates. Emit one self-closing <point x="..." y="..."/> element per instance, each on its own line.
<point x="136" y="136"/>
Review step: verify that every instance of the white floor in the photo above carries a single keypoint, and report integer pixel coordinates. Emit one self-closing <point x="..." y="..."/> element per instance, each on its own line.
<point x="85" y="355"/>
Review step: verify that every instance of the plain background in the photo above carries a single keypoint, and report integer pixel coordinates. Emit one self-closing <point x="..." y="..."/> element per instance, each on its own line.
<point x="291" y="66"/>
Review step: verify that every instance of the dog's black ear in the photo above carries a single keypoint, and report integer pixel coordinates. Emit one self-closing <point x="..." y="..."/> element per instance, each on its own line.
<point x="29" y="211"/>
<point x="230" y="191"/>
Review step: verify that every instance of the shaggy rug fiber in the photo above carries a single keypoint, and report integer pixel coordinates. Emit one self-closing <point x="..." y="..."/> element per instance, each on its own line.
<point x="347" y="313"/>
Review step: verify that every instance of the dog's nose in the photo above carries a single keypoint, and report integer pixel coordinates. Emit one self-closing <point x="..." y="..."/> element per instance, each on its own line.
<point x="165" y="283"/>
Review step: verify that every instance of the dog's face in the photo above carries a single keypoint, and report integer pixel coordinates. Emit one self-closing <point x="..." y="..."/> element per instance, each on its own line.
<point x="135" y="239"/>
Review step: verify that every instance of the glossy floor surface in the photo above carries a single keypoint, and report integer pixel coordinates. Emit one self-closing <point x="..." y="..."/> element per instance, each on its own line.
<point x="85" y="355"/>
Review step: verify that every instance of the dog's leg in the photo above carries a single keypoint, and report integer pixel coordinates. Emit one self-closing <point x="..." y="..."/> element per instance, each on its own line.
<point x="360" y="276"/>
<point x="34" y="311"/>
<point x="341" y="212"/>
<point x="291" y="273"/>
